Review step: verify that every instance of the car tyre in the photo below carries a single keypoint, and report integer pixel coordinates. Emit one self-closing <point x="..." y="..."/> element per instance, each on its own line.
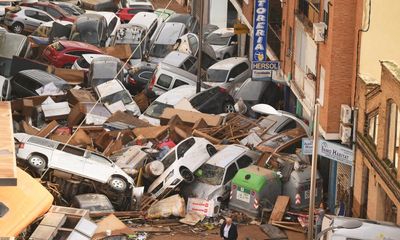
<point x="17" y="27"/>
<point x="36" y="161"/>
<point x="118" y="183"/>
<point x="228" y="107"/>
<point x="186" y="174"/>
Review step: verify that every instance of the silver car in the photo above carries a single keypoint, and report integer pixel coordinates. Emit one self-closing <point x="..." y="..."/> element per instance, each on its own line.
<point x="213" y="178"/>
<point x="229" y="74"/>
<point x="20" y="19"/>
<point x="42" y="153"/>
<point x="224" y="42"/>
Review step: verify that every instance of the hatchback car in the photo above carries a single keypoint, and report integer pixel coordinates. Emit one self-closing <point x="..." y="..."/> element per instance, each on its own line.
<point x="224" y="42"/>
<point x="42" y="153"/>
<point x="103" y="69"/>
<point x="20" y="19"/>
<point x="213" y="179"/>
<point x="229" y="73"/>
<point x="179" y="164"/>
<point x="26" y="82"/>
<point x="116" y="98"/>
<point x="64" y="53"/>
<point x="52" y="9"/>
<point x="181" y="60"/>
<point x="126" y="14"/>
<point x="90" y="28"/>
<point x="139" y="77"/>
<point x="214" y="100"/>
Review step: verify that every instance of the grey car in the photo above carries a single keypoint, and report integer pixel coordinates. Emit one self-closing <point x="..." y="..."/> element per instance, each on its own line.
<point x="20" y="19"/>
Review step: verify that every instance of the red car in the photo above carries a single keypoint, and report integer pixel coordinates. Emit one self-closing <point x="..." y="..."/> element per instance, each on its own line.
<point x="52" y="9"/>
<point x="126" y="14"/>
<point x="64" y="53"/>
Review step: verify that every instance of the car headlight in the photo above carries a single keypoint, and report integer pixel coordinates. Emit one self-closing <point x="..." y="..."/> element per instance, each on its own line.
<point x="176" y="181"/>
<point x="170" y="174"/>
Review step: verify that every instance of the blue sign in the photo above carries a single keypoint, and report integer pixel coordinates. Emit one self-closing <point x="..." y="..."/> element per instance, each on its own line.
<point x="260" y="30"/>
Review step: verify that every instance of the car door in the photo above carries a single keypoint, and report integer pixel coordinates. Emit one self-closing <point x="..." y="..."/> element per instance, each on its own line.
<point x="69" y="159"/>
<point x="31" y="20"/>
<point x="97" y="167"/>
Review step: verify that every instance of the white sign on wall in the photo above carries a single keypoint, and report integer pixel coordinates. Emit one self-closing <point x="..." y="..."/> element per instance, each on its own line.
<point x="329" y="150"/>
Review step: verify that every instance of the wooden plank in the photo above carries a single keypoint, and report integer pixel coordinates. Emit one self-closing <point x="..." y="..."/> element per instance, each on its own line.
<point x="8" y="169"/>
<point x="279" y="209"/>
<point x="44" y="132"/>
<point x="152" y="229"/>
<point x="290" y="227"/>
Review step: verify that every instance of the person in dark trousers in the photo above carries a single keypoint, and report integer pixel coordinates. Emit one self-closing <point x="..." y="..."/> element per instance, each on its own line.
<point x="228" y="230"/>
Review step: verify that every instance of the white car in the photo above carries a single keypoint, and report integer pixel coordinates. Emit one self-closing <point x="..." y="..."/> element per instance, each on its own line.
<point x="140" y="4"/>
<point x="213" y="179"/>
<point x="180" y="163"/>
<point x="83" y="63"/>
<point x="113" y="22"/>
<point x="166" y="100"/>
<point x="116" y="98"/>
<point x="43" y="153"/>
<point x="224" y="42"/>
<point x="229" y="74"/>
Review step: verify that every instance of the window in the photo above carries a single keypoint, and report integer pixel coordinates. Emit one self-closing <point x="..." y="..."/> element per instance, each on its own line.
<point x="393" y="134"/>
<point x="54" y="13"/>
<point x="100" y="159"/>
<point x="164" y="81"/>
<point x="290" y="45"/>
<point x="230" y="173"/>
<point x="178" y="83"/>
<point x="184" y="147"/>
<point x="237" y="70"/>
<point x="30" y="13"/>
<point x="325" y="16"/>
<point x="112" y="25"/>
<point x="43" y="17"/>
<point x="244" y="161"/>
<point x="373" y="123"/>
<point x="76" y="53"/>
<point x="193" y="43"/>
<point x="168" y="160"/>
<point x="188" y="64"/>
<point x="71" y="150"/>
<point x="145" y="75"/>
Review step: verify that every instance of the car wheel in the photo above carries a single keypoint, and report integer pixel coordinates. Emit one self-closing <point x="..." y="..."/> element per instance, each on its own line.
<point x="117" y="183"/>
<point x="226" y="56"/>
<point x="37" y="162"/>
<point x="17" y="27"/>
<point x="229" y="107"/>
<point x="186" y="174"/>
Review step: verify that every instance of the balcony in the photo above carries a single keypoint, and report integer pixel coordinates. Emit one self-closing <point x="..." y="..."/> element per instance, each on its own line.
<point x="308" y="13"/>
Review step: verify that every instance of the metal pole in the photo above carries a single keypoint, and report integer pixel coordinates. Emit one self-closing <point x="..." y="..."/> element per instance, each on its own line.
<point x="313" y="173"/>
<point x="200" y="52"/>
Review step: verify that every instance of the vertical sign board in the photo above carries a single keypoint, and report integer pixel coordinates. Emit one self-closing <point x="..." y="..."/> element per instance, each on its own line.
<point x="261" y="68"/>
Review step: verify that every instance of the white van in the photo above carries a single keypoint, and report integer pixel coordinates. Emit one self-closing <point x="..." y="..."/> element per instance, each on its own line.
<point x="368" y="230"/>
<point x="150" y="21"/>
<point x="167" y="77"/>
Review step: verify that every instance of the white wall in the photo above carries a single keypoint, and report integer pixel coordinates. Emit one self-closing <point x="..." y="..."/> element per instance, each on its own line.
<point x="218" y="12"/>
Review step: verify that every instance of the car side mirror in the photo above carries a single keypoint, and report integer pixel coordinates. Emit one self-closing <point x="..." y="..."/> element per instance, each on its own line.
<point x="231" y="79"/>
<point x="87" y="154"/>
<point x="234" y="43"/>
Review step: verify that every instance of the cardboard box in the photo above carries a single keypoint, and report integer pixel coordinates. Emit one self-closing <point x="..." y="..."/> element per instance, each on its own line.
<point x="189" y="117"/>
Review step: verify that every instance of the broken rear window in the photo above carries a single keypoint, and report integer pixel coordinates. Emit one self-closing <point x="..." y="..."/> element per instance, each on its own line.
<point x="210" y="174"/>
<point x="156" y="109"/>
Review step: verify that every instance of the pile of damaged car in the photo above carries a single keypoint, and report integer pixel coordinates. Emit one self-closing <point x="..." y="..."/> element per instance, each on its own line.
<point x="121" y="120"/>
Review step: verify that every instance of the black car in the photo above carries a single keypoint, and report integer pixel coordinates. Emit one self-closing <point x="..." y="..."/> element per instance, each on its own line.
<point x="139" y="76"/>
<point x="90" y="28"/>
<point x="190" y="22"/>
<point x="214" y="100"/>
<point x="25" y="83"/>
<point x="70" y="8"/>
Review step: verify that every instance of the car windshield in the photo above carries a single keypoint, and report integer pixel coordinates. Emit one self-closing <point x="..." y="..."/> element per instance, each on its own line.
<point x="217" y="39"/>
<point x="118" y="96"/>
<point x="210" y="174"/>
<point x="5" y="3"/>
<point x="138" y="53"/>
<point x="217" y="75"/>
<point x="156" y="109"/>
<point x="160" y="50"/>
<point x="90" y="36"/>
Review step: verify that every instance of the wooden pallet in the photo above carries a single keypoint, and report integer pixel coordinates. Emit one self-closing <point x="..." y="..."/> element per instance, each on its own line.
<point x="147" y="202"/>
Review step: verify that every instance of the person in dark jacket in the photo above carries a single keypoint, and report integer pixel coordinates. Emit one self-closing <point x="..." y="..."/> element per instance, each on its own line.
<point x="228" y="230"/>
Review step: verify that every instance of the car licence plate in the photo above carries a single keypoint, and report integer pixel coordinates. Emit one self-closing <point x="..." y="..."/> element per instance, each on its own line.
<point x="242" y="196"/>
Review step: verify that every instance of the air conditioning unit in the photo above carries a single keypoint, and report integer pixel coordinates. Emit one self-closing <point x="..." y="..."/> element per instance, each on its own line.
<point x="345" y="134"/>
<point x="319" y="31"/>
<point x="345" y="114"/>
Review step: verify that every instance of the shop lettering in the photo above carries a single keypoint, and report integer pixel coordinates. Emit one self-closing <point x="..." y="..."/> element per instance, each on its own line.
<point x="260" y="26"/>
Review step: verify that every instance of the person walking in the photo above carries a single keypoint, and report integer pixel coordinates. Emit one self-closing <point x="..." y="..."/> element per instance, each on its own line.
<point x="228" y="230"/>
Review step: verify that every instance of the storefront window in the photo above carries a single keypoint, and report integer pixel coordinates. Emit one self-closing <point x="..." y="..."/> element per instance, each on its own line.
<point x="393" y="134"/>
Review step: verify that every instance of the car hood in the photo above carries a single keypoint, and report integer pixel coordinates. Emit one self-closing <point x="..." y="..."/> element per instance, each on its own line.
<point x="202" y="190"/>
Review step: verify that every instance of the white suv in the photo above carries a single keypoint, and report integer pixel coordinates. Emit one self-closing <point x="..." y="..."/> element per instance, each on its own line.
<point x="180" y="163"/>
<point x="42" y="153"/>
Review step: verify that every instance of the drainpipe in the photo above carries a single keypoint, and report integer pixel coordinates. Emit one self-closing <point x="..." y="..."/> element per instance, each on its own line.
<point x="354" y="140"/>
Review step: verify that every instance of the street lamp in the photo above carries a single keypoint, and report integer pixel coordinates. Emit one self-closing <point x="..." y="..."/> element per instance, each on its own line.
<point x="267" y="109"/>
<point x="349" y="224"/>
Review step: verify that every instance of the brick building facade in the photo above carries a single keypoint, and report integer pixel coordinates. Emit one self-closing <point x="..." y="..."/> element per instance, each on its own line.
<point x="377" y="175"/>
